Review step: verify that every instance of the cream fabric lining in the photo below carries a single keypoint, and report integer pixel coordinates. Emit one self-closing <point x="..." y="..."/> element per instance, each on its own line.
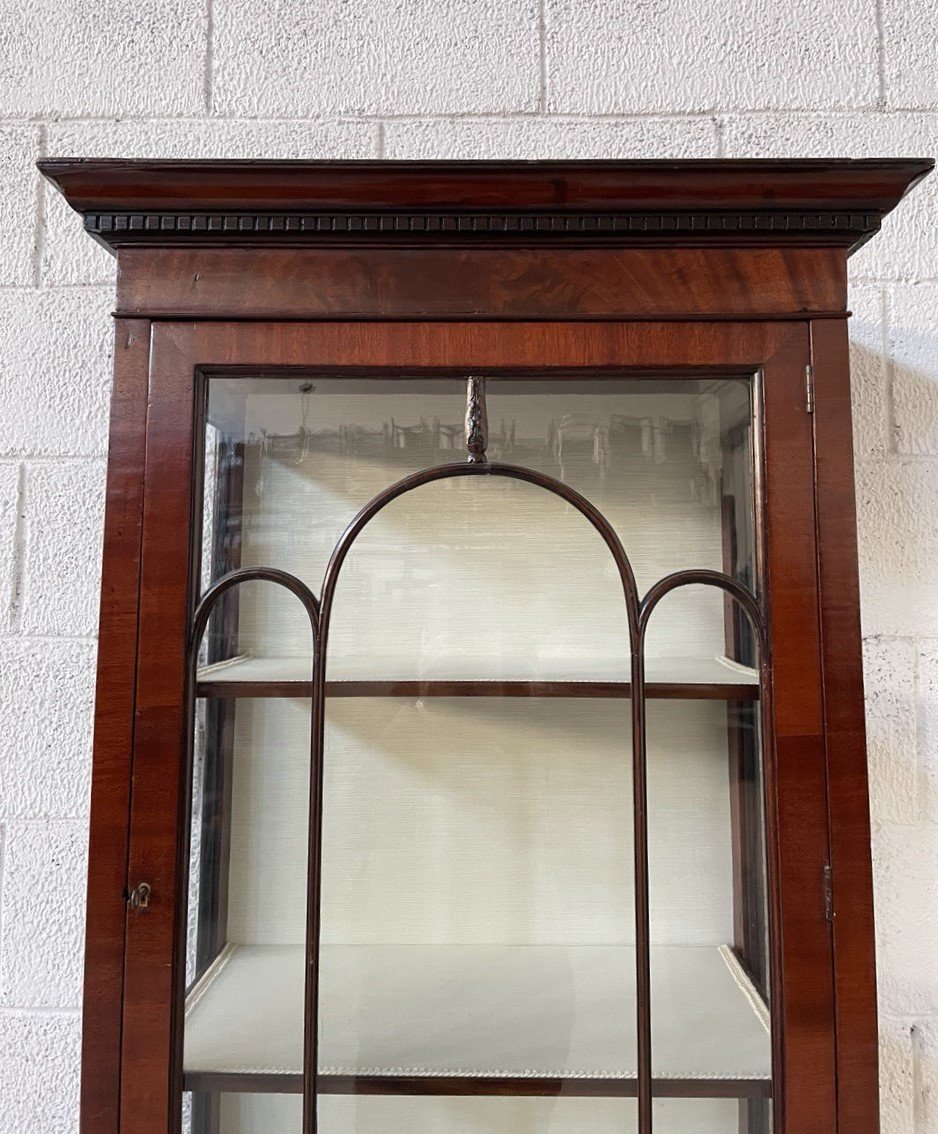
<point x="525" y="1011"/>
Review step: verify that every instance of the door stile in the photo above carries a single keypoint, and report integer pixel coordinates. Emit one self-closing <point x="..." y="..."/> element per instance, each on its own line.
<point x="149" y="1100"/>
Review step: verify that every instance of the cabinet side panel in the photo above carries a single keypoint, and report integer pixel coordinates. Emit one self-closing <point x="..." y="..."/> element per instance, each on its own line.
<point x="114" y="708"/>
<point x="854" y="957"/>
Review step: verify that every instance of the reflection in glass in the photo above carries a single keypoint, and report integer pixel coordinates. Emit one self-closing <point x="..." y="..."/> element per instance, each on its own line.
<point x="477" y="891"/>
<point x="709" y="808"/>
<point x="307" y="454"/>
<point x="478" y="915"/>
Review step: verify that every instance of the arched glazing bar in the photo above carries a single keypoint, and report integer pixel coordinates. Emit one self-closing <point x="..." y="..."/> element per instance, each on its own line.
<point x="477" y="467"/>
<point x="198" y="626"/>
<point x="206" y="603"/>
<point x="754" y="612"/>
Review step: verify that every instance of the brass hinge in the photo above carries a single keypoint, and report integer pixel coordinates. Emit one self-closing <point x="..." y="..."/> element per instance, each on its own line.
<point x="809" y="388"/>
<point x="828" y="886"/>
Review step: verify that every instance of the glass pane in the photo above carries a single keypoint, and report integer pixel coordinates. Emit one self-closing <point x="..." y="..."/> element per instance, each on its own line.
<point x="477" y="901"/>
<point x="652" y="455"/>
<point x="478" y="917"/>
<point x="708" y="888"/>
<point x="701" y="1116"/>
<point x="242" y="1113"/>
<point x="247" y="918"/>
<point x="709" y="965"/>
<point x="309" y="453"/>
<point x="390" y="1114"/>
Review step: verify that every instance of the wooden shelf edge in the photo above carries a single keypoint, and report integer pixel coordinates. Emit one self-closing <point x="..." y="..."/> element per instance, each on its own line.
<point x="257" y="1083"/>
<point x="668" y="691"/>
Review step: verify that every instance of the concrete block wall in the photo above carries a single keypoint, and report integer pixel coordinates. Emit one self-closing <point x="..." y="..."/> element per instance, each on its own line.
<point x="438" y="78"/>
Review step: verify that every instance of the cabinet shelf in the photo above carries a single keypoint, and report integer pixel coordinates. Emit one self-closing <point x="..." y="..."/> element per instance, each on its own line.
<point x="666" y="678"/>
<point x="478" y="1020"/>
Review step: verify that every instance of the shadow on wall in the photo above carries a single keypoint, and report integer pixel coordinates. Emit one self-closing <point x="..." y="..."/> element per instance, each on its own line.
<point x="896" y="442"/>
<point x="897" y="495"/>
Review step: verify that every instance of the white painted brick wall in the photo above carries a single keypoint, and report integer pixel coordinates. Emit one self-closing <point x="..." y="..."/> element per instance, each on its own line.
<point x="623" y="57"/>
<point x="439" y="78"/>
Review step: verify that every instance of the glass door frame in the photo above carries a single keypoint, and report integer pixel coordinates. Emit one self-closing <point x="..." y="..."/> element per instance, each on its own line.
<point x="803" y="1029"/>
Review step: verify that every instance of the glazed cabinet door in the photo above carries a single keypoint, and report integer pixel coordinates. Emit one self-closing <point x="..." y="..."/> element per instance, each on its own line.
<point x="479" y="778"/>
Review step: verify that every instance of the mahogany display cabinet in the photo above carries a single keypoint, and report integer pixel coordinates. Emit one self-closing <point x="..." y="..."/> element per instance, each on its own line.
<point x="479" y="732"/>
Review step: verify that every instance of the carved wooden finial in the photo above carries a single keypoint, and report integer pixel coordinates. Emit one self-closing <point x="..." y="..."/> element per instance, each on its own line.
<point x="477" y="424"/>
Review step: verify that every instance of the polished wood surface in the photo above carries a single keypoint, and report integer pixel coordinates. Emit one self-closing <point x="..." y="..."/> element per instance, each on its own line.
<point x="113" y="731"/>
<point x="504" y="1086"/>
<point x="481" y="283"/>
<point x="155" y="937"/>
<point x="804" y="1035"/>
<point x="876" y="184"/>
<point x="848" y="799"/>
<point x="266" y="267"/>
<point x="829" y="203"/>
<point x="797" y="831"/>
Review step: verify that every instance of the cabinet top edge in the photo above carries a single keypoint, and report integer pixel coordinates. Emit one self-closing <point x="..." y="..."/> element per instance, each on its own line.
<point x="810" y="201"/>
